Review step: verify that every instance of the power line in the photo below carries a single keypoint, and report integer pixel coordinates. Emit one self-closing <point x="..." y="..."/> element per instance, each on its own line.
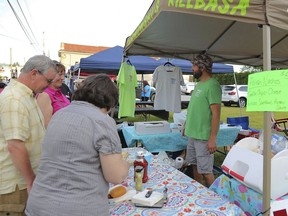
<point x="8" y="36"/>
<point x="28" y="24"/>
<point x="23" y="27"/>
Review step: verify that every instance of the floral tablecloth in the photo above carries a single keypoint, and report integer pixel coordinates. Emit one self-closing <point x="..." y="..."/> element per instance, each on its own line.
<point x="185" y="195"/>
<point x="249" y="200"/>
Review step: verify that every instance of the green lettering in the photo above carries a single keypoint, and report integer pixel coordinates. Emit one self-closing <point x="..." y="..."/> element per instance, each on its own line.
<point x="225" y="8"/>
<point x="157" y="7"/>
<point x="171" y="3"/>
<point x="147" y="19"/>
<point x="176" y="3"/>
<point x="189" y="5"/>
<point x="213" y="4"/>
<point x="199" y="4"/>
<point x="242" y="6"/>
<point x="181" y="4"/>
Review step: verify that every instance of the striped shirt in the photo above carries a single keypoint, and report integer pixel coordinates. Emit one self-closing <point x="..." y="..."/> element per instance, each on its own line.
<point x="21" y="119"/>
<point x="70" y="180"/>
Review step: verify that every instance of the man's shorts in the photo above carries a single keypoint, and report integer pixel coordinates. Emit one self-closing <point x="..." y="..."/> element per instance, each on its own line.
<point x="13" y="204"/>
<point x="197" y="153"/>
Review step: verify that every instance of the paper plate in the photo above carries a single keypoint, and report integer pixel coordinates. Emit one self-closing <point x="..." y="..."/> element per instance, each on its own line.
<point x="128" y="195"/>
<point x="110" y="189"/>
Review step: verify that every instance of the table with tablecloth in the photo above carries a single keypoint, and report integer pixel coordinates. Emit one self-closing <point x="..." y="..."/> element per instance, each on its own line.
<point x="249" y="200"/>
<point x="185" y="195"/>
<point x="174" y="141"/>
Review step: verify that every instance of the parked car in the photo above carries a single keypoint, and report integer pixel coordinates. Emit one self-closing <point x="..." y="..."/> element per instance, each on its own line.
<point x="139" y="91"/>
<point x="230" y="96"/>
<point x="188" y="88"/>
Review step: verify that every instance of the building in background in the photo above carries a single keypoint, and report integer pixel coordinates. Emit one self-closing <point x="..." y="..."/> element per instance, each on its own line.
<point x="70" y="54"/>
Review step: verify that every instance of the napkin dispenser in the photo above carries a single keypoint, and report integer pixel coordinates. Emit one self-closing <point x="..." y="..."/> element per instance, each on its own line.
<point x="246" y="166"/>
<point x="152" y="127"/>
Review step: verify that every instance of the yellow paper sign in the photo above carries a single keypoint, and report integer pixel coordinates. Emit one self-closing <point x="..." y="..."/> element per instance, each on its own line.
<point x="268" y="91"/>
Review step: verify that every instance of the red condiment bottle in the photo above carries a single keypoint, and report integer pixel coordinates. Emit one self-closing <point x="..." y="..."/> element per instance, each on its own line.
<point x="141" y="162"/>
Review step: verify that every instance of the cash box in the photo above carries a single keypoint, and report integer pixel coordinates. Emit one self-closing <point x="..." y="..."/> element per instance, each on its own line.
<point x="152" y="127"/>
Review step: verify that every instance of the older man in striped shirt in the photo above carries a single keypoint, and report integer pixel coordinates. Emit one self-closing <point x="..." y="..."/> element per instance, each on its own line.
<point x="21" y="132"/>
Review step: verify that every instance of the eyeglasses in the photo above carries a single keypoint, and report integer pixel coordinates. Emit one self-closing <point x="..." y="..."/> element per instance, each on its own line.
<point x="49" y="81"/>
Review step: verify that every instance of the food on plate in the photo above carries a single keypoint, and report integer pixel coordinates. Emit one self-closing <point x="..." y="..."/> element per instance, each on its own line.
<point x="117" y="192"/>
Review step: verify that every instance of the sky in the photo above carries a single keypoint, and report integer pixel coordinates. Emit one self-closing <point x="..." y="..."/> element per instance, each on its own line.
<point x="86" y="22"/>
<point x="50" y="22"/>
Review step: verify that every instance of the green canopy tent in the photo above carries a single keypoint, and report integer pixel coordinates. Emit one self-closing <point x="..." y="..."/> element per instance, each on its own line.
<point x="244" y="32"/>
<point x="229" y="32"/>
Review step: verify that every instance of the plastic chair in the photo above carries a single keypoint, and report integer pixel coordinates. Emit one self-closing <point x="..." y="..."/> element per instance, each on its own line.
<point x="280" y="125"/>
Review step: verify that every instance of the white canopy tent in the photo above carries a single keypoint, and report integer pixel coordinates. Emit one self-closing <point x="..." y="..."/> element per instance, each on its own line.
<point x="244" y="32"/>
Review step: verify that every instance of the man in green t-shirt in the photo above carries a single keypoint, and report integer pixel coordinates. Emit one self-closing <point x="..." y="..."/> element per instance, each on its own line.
<point x="202" y="121"/>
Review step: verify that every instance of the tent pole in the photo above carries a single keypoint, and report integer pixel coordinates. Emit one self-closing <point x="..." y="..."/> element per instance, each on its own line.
<point x="267" y="128"/>
<point x="236" y="84"/>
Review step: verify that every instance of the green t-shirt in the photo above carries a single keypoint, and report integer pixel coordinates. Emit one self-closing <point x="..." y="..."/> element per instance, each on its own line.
<point x="127" y="82"/>
<point x="199" y="115"/>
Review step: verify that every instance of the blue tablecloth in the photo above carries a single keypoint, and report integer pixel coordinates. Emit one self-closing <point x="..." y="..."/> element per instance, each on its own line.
<point x="227" y="135"/>
<point x="246" y="198"/>
<point x="174" y="141"/>
<point x="186" y="197"/>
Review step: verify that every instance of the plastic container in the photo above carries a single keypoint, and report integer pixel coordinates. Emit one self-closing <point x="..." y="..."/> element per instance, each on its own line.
<point x="246" y="166"/>
<point x="242" y="121"/>
<point x="139" y="162"/>
<point x="138" y="178"/>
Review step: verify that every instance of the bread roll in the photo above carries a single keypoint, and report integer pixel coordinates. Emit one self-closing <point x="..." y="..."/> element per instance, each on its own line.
<point x="117" y="191"/>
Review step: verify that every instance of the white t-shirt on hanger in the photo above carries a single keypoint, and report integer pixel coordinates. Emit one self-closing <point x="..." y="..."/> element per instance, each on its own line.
<point x="168" y="95"/>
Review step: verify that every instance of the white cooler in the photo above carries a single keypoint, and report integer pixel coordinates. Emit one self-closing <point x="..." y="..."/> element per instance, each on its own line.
<point x="247" y="167"/>
<point x="152" y="127"/>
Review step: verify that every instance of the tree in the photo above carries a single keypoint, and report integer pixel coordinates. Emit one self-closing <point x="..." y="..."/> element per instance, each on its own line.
<point x="251" y="69"/>
<point x="15" y="64"/>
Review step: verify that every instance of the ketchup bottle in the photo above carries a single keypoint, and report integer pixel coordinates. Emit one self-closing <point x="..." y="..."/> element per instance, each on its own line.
<point x="141" y="162"/>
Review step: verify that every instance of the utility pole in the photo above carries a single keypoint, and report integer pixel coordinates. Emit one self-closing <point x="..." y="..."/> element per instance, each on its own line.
<point x="43" y="43"/>
<point x="11" y="69"/>
<point x="11" y="58"/>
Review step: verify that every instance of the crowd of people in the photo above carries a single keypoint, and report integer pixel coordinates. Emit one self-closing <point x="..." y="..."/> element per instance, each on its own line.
<point x="59" y="152"/>
<point x="67" y="152"/>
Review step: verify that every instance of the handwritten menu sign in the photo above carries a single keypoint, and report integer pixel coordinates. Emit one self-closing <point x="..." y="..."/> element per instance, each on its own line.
<point x="268" y="91"/>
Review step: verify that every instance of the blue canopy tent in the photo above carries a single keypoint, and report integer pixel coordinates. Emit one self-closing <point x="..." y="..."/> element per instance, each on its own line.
<point x="109" y="62"/>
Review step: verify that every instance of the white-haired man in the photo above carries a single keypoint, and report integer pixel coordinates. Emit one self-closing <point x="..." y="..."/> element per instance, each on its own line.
<point x="21" y="132"/>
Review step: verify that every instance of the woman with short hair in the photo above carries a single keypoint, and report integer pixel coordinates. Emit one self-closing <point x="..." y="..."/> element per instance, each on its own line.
<point x="81" y="155"/>
<point x="52" y="99"/>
